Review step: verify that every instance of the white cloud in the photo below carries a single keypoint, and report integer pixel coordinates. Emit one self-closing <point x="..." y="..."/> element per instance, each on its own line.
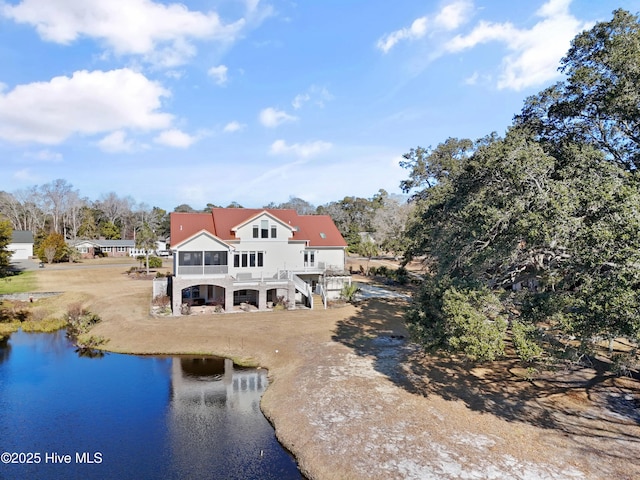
<point x="25" y="175"/>
<point x="174" y="74"/>
<point x="85" y="103"/>
<point x="300" y="100"/>
<point x="116" y="142"/>
<point x="159" y="32"/>
<point x="233" y="127"/>
<point x="453" y="15"/>
<point x="418" y="29"/>
<point x="316" y="95"/>
<point x="219" y="74"/>
<point x="536" y="52"/>
<point x="484" y="32"/>
<point x="45" y="156"/>
<point x="303" y="150"/>
<point x="175" y="138"/>
<point x="472" y="79"/>
<point x="271" y="118"/>
<point x="450" y="17"/>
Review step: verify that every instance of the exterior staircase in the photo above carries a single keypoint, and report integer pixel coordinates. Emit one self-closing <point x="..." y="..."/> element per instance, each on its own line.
<point x="317" y="302"/>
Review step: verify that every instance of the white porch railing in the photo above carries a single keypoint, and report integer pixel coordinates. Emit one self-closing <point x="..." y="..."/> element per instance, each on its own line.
<point x="203" y="269"/>
<point x="302" y="286"/>
<point x="323" y="295"/>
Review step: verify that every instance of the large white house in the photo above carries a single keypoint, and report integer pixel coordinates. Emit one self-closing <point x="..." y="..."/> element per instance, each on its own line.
<point x="238" y="256"/>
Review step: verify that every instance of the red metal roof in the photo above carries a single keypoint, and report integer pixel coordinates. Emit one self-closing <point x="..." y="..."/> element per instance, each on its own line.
<point x="183" y="225"/>
<point x="317" y="230"/>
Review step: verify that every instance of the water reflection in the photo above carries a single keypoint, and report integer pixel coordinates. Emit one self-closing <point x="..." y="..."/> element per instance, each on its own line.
<point x="150" y="417"/>
<point x="214" y="402"/>
<point x="5" y="349"/>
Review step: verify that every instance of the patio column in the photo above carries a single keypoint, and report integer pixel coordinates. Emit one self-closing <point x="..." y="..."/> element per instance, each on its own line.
<point x="228" y="297"/>
<point x="262" y="297"/>
<point x="176" y="297"/>
<point x="292" y="295"/>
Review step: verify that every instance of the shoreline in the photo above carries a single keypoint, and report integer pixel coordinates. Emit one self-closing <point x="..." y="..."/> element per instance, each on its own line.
<point x="350" y="397"/>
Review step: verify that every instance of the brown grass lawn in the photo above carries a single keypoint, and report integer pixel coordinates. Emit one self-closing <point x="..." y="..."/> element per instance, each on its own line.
<point x="352" y="398"/>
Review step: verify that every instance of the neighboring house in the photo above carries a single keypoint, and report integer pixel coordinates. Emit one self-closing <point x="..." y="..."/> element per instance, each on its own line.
<point x="111" y="248"/>
<point x="232" y="257"/>
<point x="21" y="245"/>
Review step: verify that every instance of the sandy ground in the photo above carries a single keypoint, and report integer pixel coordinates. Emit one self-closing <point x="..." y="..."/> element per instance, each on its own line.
<point x="351" y="398"/>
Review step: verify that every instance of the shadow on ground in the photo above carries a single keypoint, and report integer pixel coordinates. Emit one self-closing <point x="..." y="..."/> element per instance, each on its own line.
<point x="586" y="404"/>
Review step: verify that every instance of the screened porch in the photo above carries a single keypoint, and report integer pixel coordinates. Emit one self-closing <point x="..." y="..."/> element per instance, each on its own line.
<point x="209" y="262"/>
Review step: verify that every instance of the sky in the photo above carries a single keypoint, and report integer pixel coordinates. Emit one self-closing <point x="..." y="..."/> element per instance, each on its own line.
<point x="257" y="101"/>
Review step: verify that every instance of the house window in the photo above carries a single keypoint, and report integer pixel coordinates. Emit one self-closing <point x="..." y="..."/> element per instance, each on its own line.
<point x="215" y="258"/>
<point x="309" y="259"/>
<point x="190" y="258"/>
<point x="264" y="228"/>
<point x="274" y="231"/>
<point x="106" y="249"/>
<point x="248" y="259"/>
<point x="255" y="231"/>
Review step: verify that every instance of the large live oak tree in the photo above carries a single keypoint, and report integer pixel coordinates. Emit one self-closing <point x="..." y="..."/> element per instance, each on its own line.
<point x="541" y="227"/>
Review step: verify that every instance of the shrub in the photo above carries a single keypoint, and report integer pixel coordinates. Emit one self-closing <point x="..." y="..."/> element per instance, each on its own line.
<point x="402" y="276"/>
<point x="349" y="291"/>
<point x="87" y="346"/>
<point x="7" y="328"/>
<point x="47" y="325"/>
<point x="524" y="341"/>
<point x="155" y="262"/>
<point x="161" y="300"/>
<point x="623" y="364"/>
<point x="281" y="303"/>
<point x="473" y="323"/>
<point x="14" y="312"/>
<point x="79" y="321"/>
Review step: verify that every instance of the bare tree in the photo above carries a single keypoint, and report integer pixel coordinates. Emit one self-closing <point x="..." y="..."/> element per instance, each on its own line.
<point x="11" y="208"/>
<point x="390" y="222"/>
<point x="33" y="210"/>
<point x="56" y="197"/>
<point x="73" y="214"/>
<point x="115" y="209"/>
<point x="302" y="207"/>
<point x="24" y="209"/>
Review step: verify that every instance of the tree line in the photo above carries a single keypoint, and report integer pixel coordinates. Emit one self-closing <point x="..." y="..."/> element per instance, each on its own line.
<point x="56" y="212"/>
<point x="533" y="237"/>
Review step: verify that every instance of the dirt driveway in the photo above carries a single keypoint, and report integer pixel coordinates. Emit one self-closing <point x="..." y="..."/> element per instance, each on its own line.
<point x="352" y="398"/>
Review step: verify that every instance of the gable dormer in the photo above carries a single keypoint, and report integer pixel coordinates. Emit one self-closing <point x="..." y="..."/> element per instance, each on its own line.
<point x="202" y="240"/>
<point x="263" y="226"/>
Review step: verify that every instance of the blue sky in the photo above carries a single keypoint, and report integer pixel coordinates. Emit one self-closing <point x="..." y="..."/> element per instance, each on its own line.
<point x="255" y="101"/>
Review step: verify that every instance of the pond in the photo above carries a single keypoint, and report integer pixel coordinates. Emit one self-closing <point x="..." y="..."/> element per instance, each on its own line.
<point x="123" y="416"/>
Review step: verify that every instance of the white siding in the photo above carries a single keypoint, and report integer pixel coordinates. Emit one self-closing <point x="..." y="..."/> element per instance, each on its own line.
<point x="203" y="242"/>
<point x="21" y="251"/>
<point x="245" y="233"/>
<point x="331" y="257"/>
